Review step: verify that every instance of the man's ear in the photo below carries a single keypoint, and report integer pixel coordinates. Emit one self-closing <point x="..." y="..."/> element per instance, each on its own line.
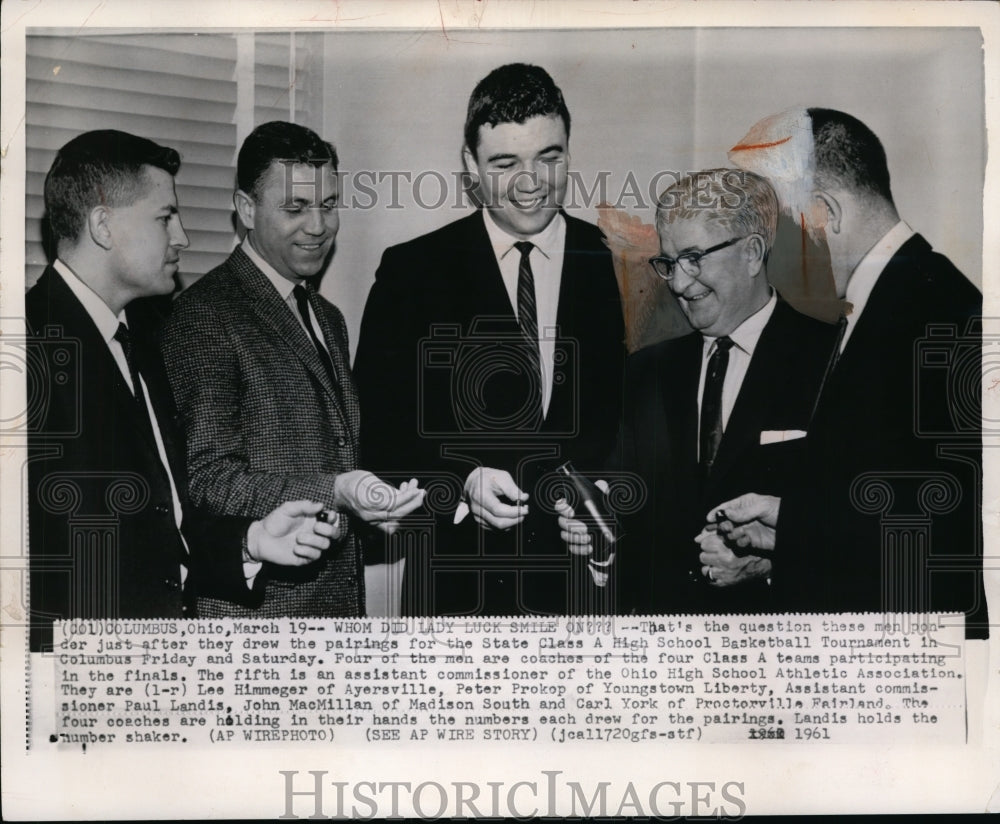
<point x="755" y="251"/>
<point x="98" y="225"/>
<point x="829" y="206"/>
<point x="246" y="206"/>
<point x="469" y="160"/>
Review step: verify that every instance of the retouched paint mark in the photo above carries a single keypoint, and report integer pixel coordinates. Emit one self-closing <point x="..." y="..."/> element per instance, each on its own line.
<point x="632" y="243"/>
<point x="804" y="232"/>
<point x="744" y="147"/>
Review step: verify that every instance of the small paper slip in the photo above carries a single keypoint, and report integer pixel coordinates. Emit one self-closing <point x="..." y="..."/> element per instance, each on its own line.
<point x="779" y="435"/>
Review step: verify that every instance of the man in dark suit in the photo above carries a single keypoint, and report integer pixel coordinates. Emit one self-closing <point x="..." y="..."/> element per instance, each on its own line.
<point x="709" y="412"/>
<point x="110" y="533"/>
<point x="258" y="362"/>
<point x="887" y="515"/>
<point x="491" y="351"/>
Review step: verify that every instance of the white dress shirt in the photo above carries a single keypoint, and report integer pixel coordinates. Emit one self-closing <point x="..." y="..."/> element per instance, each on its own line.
<point x="745" y="338"/>
<point x="546" y="268"/>
<point x="866" y="274"/>
<point x="285" y="288"/>
<point x="107" y="325"/>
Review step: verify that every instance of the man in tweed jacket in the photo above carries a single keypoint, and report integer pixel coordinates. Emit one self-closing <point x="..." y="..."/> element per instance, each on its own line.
<point x="259" y="367"/>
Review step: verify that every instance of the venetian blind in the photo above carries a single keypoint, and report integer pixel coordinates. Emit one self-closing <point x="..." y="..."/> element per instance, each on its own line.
<point x="182" y="90"/>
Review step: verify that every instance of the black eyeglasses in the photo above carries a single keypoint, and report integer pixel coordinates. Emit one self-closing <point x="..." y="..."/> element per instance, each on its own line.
<point x="690" y="261"/>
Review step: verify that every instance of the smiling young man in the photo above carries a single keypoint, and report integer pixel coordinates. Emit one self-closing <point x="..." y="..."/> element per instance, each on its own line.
<point x="491" y="351"/>
<point x="111" y="533"/>
<point x="708" y="412"/>
<point x="258" y="362"/>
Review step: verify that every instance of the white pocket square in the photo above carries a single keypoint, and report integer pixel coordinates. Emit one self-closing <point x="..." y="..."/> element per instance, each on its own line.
<point x="779" y="435"/>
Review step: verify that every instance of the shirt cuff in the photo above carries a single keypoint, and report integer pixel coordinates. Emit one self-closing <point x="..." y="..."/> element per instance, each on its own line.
<point x="250" y="571"/>
<point x="251" y="568"/>
<point x="600" y="571"/>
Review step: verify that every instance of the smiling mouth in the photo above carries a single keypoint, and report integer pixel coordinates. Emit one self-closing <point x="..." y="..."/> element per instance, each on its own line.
<point x="311" y="247"/>
<point x="695" y="298"/>
<point x="528" y="204"/>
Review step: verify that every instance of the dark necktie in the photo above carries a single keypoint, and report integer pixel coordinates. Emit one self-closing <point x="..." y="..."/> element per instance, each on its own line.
<point x="302" y="301"/>
<point x="711" y="404"/>
<point x="125" y="339"/>
<point x="831" y="364"/>
<point x="527" y="319"/>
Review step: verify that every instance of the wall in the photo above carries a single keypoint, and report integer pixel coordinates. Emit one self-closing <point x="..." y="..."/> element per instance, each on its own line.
<point x="652" y="100"/>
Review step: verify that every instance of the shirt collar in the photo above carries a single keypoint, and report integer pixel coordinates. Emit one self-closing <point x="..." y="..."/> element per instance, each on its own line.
<point x="283" y="285"/>
<point x="549" y="241"/>
<point x="866" y="273"/>
<point x="105" y="320"/>
<point x="747" y="334"/>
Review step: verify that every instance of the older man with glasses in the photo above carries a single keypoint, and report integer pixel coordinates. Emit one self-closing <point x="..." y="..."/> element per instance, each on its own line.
<point x="709" y="412"/>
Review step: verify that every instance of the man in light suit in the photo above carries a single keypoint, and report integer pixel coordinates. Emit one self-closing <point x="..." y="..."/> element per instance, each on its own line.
<point x="258" y="363"/>
<point x="709" y="412"/>
<point x="111" y="533"/>
<point x="491" y="351"/>
<point x="897" y="432"/>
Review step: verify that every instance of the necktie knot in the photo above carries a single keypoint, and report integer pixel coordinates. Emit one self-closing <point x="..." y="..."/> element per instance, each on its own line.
<point x="724" y="344"/>
<point x="524" y="247"/>
<point x="301" y="296"/>
<point x="125" y="339"/>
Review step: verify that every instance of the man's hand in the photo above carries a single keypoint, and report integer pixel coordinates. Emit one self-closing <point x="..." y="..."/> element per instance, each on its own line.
<point x="290" y="535"/>
<point x="748" y="521"/>
<point x="573" y="532"/>
<point x="494" y="499"/>
<point x="374" y="501"/>
<point x="722" y="567"/>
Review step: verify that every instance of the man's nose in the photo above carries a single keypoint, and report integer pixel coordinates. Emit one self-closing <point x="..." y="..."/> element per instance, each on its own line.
<point x="681" y="280"/>
<point x="316" y="222"/>
<point x="527" y="180"/>
<point x="178" y="237"/>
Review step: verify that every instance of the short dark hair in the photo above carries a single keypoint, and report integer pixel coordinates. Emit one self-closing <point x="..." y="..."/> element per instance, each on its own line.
<point x="848" y="154"/>
<point x="99" y="167"/>
<point x="279" y="140"/>
<point x="512" y="94"/>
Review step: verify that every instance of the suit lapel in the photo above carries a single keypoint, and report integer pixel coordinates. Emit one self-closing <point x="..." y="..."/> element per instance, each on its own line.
<point x="678" y="396"/>
<point x="759" y="390"/>
<point x="346" y="395"/>
<point x="101" y="369"/>
<point x="160" y="397"/>
<point x="275" y="314"/>
<point x="571" y="314"/>
<point x="487" y="293"/>
<point x="877" y="323"/>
